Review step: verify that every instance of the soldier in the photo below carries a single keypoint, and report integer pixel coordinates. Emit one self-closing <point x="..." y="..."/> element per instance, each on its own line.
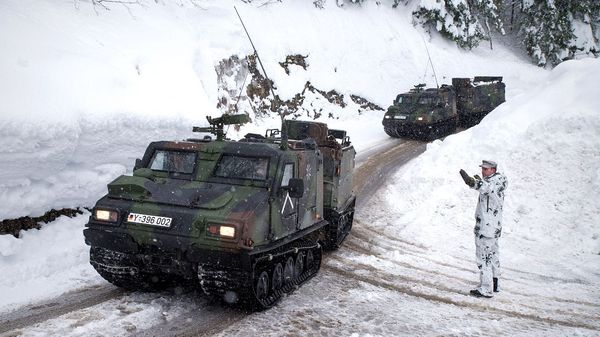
<point x="488" y="225"/>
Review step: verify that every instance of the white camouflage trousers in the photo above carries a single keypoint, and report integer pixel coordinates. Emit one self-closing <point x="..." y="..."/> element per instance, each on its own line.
<point x="487" y="257"/>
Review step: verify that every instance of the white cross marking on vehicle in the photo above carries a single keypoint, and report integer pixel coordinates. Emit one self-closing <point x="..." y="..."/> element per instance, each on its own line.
<point x="287" y="197"/>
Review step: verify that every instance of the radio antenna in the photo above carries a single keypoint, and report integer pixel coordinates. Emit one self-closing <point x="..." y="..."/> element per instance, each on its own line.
<point x="430" y="62"/>
<point x="276" y="100"/>
<point x="255" y="51"/>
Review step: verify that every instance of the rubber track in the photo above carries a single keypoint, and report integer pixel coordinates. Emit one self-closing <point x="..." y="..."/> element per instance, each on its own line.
<point x="215" y="282"/>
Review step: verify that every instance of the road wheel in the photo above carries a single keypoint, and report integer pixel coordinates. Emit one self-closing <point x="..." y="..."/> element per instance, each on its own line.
<point x="310" y="259"/>
<point x="288" y="271"/>
<point x="277" y="279"/>
<point x="262" y="286"/>
<point x="299" y="265"/>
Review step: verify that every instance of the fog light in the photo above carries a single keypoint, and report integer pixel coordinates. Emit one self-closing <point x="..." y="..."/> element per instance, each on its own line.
<point x="105" y="215"/>
<point x="221" y="230"/>
<point x="226" y="231"/>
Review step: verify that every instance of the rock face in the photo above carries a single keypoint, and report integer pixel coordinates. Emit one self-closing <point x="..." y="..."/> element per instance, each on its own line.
<point x="244" y="88"/>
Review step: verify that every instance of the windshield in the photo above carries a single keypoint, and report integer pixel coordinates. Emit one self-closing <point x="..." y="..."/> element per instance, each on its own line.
<point x="173" y="161"/>
<point x="428" y="100"/>
<point x="232" y="166"/>
<point x="402" y="99"/>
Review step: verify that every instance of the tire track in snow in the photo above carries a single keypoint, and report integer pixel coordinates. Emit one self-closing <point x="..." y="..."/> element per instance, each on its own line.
<point x="65" y="303"/>
<point x="363" y="238"/>
<point x="211" y="319"/>
<point x="374" y="244"/>
<point x="355" y="246"/>
<point x="437" y="284"/>
<point x="379" y="279"/>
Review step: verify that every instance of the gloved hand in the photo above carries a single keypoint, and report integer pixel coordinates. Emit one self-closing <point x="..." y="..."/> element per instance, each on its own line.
<point x="468" y="180"/>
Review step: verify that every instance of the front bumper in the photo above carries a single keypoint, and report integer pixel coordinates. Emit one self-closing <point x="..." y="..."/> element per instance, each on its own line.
<point x="405" y="128"/>
<point x="166" y="253"/>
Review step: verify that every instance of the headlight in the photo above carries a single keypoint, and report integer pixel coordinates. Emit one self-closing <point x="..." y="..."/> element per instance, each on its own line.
<point x="106" y="215"/>
<point x="387" y="117"/>
<point x="419" y="118"/>
<point x="225" y="231"/>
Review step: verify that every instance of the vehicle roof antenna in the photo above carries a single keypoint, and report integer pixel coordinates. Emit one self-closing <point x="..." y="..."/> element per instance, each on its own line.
<point x="276" y="100"/>
<point x="241" y="91"/>
<point x="430" y="62"/>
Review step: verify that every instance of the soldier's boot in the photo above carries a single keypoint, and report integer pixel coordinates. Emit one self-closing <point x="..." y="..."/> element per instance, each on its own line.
<point x="477" y="293"/>
<point x="496" y="288"/>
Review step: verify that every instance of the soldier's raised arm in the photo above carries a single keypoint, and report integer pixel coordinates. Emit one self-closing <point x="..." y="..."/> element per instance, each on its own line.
<point x="497" y="182"/>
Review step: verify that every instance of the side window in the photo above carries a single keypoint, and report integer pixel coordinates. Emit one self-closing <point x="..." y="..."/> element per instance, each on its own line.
<point x="158" y="161"/>
<point x="288" y="173"/>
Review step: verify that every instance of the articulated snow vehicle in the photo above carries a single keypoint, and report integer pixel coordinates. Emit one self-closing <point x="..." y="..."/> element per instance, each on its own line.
<point x="435" y="112"/>
<point x="245" y="220"/>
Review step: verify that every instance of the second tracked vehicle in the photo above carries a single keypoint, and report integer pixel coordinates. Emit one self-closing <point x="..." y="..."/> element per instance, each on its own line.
<point x="429" y="113"/>
<point x="244" y="220"/>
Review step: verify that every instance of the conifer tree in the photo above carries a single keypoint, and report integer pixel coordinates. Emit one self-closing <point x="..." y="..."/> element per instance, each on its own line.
<point x="556" y="30"/>
<point x="461" y="20"/>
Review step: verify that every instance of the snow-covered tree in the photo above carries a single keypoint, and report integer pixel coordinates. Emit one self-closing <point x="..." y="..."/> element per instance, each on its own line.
<point x="341" y="3"/>
<point x="550" y="30"/>
<point x="453" y="19"/>
<point x="555" y="30"/>
<point x="489" y="14"/>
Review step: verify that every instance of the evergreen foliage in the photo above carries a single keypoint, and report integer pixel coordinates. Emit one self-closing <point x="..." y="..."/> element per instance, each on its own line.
<point x="550" y="30"/>
<point x="453" y="19"/>
<point x="556" y="30"/>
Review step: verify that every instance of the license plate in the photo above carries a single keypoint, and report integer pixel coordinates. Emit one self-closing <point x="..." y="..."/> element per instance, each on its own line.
<point x="401" y="117"/>
<point x="149" y="219"/>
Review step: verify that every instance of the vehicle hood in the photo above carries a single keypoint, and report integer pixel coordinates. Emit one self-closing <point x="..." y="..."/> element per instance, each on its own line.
<point x="193" y="194"/>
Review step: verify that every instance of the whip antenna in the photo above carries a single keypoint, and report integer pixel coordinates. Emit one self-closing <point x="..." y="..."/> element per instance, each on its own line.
<point x="255" y="51"/>
<point x="276" y="100"/>
<point x="430" y="62"/>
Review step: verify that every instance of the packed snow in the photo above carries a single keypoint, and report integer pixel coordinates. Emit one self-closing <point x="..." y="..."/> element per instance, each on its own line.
<point x="83" y="90"/>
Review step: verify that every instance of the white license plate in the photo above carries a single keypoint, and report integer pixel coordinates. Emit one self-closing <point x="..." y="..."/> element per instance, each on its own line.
<point x="401" y="117"/>
<point x="149" y="219"/>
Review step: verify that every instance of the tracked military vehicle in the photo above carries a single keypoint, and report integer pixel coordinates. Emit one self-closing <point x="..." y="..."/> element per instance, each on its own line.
<point x="244" y="220"/>
<point x="435" y="112"/>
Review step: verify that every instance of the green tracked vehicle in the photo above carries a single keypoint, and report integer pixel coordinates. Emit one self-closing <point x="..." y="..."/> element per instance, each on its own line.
<point x="245" y="220"/>
<point x="435" y="112"/>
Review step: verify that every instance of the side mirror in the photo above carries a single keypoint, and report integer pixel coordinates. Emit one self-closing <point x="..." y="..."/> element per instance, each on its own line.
<point x="138" y="164"/>
<point x="296" y="187"/>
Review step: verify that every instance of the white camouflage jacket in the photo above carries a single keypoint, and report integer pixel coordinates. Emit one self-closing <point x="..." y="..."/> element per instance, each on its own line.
<point x="488" y="215"/>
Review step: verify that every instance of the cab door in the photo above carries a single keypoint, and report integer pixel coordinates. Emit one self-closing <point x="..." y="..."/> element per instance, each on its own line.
<point x="289" y="205"/>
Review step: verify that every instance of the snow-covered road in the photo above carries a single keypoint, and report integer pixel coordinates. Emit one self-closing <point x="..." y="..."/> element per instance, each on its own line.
<point x="378" y="283"/>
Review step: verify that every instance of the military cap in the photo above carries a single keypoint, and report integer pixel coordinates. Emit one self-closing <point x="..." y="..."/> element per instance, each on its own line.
<point x="488" y="164"/>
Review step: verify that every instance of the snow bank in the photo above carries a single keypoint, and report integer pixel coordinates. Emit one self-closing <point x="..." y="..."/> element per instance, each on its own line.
<point x="45" y="263"/>
<point x="547" y="142"/>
